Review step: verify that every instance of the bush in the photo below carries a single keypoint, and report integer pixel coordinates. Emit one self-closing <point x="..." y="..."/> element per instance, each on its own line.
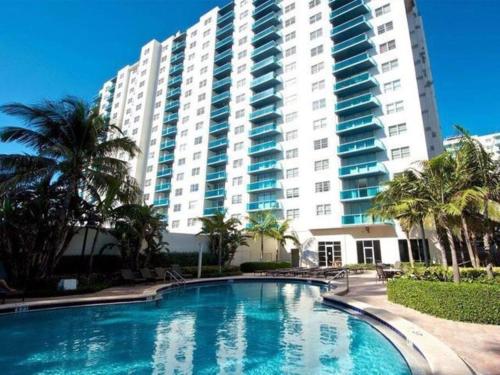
<point x="362" y="266"/>
<point x="263" y="266"/>
<point x="466" y="302"/>
<point x="438" y="273"/>
<point x="212" y="271"/>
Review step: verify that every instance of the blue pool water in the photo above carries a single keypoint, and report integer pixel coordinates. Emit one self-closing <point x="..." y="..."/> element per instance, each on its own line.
<point x="226" y="328"/>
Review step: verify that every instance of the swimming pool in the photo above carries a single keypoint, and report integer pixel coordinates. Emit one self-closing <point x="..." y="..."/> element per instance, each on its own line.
<point x="250" y="327"/>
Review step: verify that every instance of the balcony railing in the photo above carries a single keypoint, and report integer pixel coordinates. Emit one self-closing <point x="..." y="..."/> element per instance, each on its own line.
<point x="358" y="125"/>
<point x="359" y="147"/>
<point x="221" y="99"/>
<point x="213" y="210"/>
<point x="223" y="57"/>
<point x="355" y="84"/>
<point x="363" y="169"/>
<point x="359" y="194"/>
<point x="264" y="185"/>
<point x="217" y="144"/>
<point x="170" y="131"/>
<point x="178" y="46"/>
<point x="271" y="33"/>
<point x="175" y="93"/>
<point x="167" y="145"/>
<point x="264" y="166"/>
<point x="165" y="172"/>
<point x="266" y="65"/>
<point x="163" y="187"/>
<point x="175" y="82"/>
<point x="352" y="46"/>
<point x="222" y="84"/>
<point x="217" y="160"/>
<point x="353" y="65"/>
<point x="176" y="58"/>
<point x="350" y="28"/>
<point x="263" y="205"/>
<point x="264" y="131"/>
<point x="171" y="119"/>
<point x="265" y="97"/>
<point x="161" y="202"/>
<point x="349" y="11"/>
<point x="357" y="104"/>
<point x="269" y="49"/>
<point x="176" y="69"/>
<point x="225" y="31"/>
<point x="219" y="128"/>
<point x="263" y="148"/>
<point x="266" y="113"/>
<point x="222" y="20"/>
<point x="270" y="19"/>
<point x="265" y="81"/>
<point x="270" y="5"/>
<point x="216" y="176"/>
<point x="220" y="113"/>
<point x="216" y="193"/>
<point x="223" y="70"/>
<point x="362" y="219"/>
<point x="224" y="44"/>
<point x="166" y="158"/>
<point x="172" y="105"/>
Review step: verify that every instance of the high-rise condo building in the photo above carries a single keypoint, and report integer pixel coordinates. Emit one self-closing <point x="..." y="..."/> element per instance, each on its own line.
<point x="300" y="107"/>
<point x="490" y="142"/>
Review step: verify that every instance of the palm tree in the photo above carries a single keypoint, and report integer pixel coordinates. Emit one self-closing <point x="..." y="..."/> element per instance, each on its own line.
<point x="260" y="225"/>
<point x="280" y="235"/>
<point x="235" y="240"/>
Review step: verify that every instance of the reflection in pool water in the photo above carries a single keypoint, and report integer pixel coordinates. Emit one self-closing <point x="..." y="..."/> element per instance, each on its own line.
<point x="230" y="328"/>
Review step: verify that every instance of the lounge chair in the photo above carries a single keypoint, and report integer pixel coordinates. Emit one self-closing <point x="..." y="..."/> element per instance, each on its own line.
<point x="147" y="274"/>
<point x="160" y="272"/>
<point x="381" y="276"/>
<point x="8" y="293"/>
<point x="129" y="276"/>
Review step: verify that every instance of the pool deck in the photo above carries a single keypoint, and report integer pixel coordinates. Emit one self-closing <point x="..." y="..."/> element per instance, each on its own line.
<point x="477" y="344"/>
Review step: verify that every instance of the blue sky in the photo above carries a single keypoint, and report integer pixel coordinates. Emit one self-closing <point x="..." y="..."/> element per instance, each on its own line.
<point x="53" y="48"/>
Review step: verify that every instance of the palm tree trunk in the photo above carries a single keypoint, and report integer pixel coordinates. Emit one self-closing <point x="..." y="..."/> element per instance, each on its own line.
<point x="92" y="250"/>
<point x="454" y="262"/>
<point x="277" y="250"/>
<point x="487" y="237"/>
<point x="424" y="242"/>
<point x="474" y="248"/>
<point x="84" y="245"/>
<point x="220" y="252"/>
<point x="410" y="253"/>
<point x="468" y="243"/>
<point x="261" y="247"/>
<point x="442" y="249"/>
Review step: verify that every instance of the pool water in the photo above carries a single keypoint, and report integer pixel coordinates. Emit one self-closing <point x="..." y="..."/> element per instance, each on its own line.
<point x="224" y="328"/>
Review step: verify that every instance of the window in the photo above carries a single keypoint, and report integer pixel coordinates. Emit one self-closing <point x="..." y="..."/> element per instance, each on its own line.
<point x="382" y="10"/>
<point x="318" y="104"/>
<point x="239" y="129"/>
<point x="329" y="253"/>
<point x="390" y="65"/>
<point x="292" y="134"/>
<point x="316" y="34"/>
<point x="175" y="224"/>
<point x="238" y="146"/>
<point x="392" y="86"/>
<point x="191" y="222"/>
<point x="289" y="21"/>
<point x="385" y="27"/>
<point x="177" y="207"/>
<point x="321" y="187"/>
<point x="388" y="46"/>
<point x="323" y="209"/>
<point x="195" y="171"/>
<point x="237" y="163"/>
<point x="194" y="188"/>
<point x="318" y="124"/>
<point x="292" y="214"/>
<point x="197" y="155"/>
<point x="180" y="176"/>
<point x="315" y="18"/>
<point x="314" y="3"/>
<point x="290" y="67"/>
<point x="320" y="143"/>
<point x="397" y="129"/>
<point x="317" y="50"/>
<point x="289" y="7"/>
<point x="291" y="51"/>
<point x="178" y="192"/>
<point x="235" y="199"/>
<point x="292" y="154"/>
<point x="292" y="193"/>
<point x="240" y="98"/>
<point x="317" y="68"/>
<point x="289" y="117"/>
<point x="394" y="107"/>
<point x="290" y="36"/>
<point x="182" y="161"/>
<point x="237" y="181"/>
<point x="292" y="173"/>
<point x="320" y="85"/>
<point x="321" y="165"/>
<point x="369" y="251"/>
<point x="240" y="113"/>
<point x="198" y="140"/>
<point x="400" y="153"/>
<point x="192" y="204"/>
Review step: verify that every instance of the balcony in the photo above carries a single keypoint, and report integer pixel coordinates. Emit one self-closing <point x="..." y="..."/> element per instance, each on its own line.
<point x="352" y="46"/>
<point x="216" y="176"/>
<point x="350" y="28"/>
<point x="174" y="82"/>
<point x="176" y="47"/>
<point x="360" y="147"/>
<point x="219" y="128"/>
<point x="267" y="113"/>
<point x="170" y="131"/>
<point x="265" y="97"/>
<point x="362" y="219"/>
<point x="223" y="57"/>
<point x="266" y="21"/>
<point x="335" y="4"/>
<point x="265" y="81"/>
<point x="271" y="165"/>
<point x="223" y="71"/>
<point x="161" y="202"/>
<point x="263" y="205"/>
<point x="176" y="70"/>
<point x="358" y="125"/>
<point x="363" y="169"/>
<point x="177" y="58"/>
<point x="225" y="31"/>
<point x="174" y="94"/>
<point x="265" y="66"/>
<point x="353" y="65"/>
<point x="164" y="172"/>
<point x="267" y="35"/>
<point x="264" y="131"/>
<point x="354" y="84"/>
<point x="218" y="144"/>
<point x="213" y="210"/>
<point x="220" y="114"/>
<point x="168" y="145"/>
<point x="357" y="104"/>
<point x="269" y="49"/>
<point x="359" y="194"/>
<point x="225" y="19"/>
<point x="163" y="187"/>
<point x="217" y="160"/>
<point x="224" y="44"/>
<point x="168" y="158"/>
<point x="265" y="185"/>
<point x="222" y="85"/>
<point x="349" y="11"/>
<point x="171" y="119"/>
<point x="268" y="6"/>
<point x="215" y="194"/>
<point x="264" y="148"/>
<point x="172" y="106"/>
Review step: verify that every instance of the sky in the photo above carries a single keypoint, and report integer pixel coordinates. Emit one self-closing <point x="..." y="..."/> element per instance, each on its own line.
<point x="53" y="48"/>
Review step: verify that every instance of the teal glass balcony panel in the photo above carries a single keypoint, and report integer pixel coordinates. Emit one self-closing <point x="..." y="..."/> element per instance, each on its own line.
<point x="264" y="185"/>
<point x="353" y="65"/>
<point x="270" y="64"/>
<point x="225" y="19"/>
<point x="176" y="70"/>
<point x="264" y="148"/>
<point x="351" y="47"/>
<point x="177" y="58"/>
<point x="349" y="11"/>
<point x="219" y="128"/>
<point x="357" y="104"/>
<point x="271" y="165"/>
<point x="363" y="169"/>
<point x="360" y="147"/>
<point x="224" y="44"/>
<point x="267" y="35"/>
<point x="174" y="94"/>
<point x="161" y="202"/>
<point x="264" y="131"/>
<point x="362" y="219"/>
<point x="270" y="19"/>
<point x="263" y="205"/>
<point x="174" y="82"/>
<point x="269" y="49"/>
<point x="359" y="194"/>
<point x="265" y="114"/>
<point x="217" y="160"/>
<point x="265" y="97"/>
<point x="263" y="82"/>
<point x="169" y="132"/>
<point x="263" y="9"/>
<point x="350" y="28"/>
<point x="218" y="144"/>
<point x="216" y="176"/>
<point x="215" y="194"/>
<point x="163" y="187"/>
<point x="176" y="47"/>
<point x="226" y="8"/>
<point x="168" y="145"/>
<point x="223" y="57"/>
<point x="355" y="84"/>
<point x="225" y="31"/>
<point x="213" y="210"/>
<point x="358" y="125"/>
<point x="172" y="105"/>
<point x="221" y="99"/>
<point x="220" y="114"/>
<point x="171" y="119"/>
<point x="169" y="158"/>
<point x="335" y="4"/>
<point x="223" y="71"/>
<point x="222" y="85"/>
<point x="164" y="172"/>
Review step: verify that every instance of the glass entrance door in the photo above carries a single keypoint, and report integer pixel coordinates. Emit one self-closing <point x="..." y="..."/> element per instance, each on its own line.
<point x="330" y="254"/>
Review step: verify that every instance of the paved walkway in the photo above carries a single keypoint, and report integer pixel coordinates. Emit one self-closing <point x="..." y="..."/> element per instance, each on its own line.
<point x="478" y="344"/>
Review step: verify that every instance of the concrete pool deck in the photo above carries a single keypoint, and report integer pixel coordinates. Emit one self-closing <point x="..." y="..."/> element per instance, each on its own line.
<point x="478" y="345"/>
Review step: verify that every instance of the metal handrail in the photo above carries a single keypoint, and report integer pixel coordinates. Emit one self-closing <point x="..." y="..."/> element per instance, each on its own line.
<point x="342" y="274"/>
<point x="174" y="275"/>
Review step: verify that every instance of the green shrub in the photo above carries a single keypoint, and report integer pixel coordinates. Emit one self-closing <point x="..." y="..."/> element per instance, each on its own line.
<point x="438" y="273"/>
<point x="263" y="266"/>
<point x="212" y="271"/>
<point x="466" y="302"/>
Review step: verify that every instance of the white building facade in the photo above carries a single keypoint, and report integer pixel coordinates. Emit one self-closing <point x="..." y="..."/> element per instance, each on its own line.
<point x="490" y="142"/>
<point x="300" y="107"/>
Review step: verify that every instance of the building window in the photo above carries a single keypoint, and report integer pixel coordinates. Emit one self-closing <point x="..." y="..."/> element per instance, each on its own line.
<point x="175" y="224"/>
<point x="292" y="193"/>
<point x="321" y="165"/>
<point x="236" y="199"/>
<point x="292" y="154"/>
<point x="289" y="7"/>
<point x="369" y="251"/>
<point x="392" y="86"/>
<point x="388" y="46"/>
<point x="291" y="135"/>
<point x="318" y="104"/>
<point x="316" y="68"/>
<point x="177" y="207"/>
<point x="316" y="34"/>
<point x="320" y="143"/>
<point x="291" y="51"/>
<point x="195" y="171"/>
<point x="292" y="173"/>
<point x="290" y="21"/>
<point x="198" y="140"/>
<point x="319" y="124"/>
<point x="317" y="51"/>
<point x="394" y="107"/>
<point x="238" y="146"/>
<point x="191" y="222"/>
<point x="382" y="10"/>
<point x="237" y="181"/>
<point x="289" y="117"/>
<point x="323" y="209"/>
<point x="385" y="27"/>
<point x="239" y="129"/>
<point x="315" y="18"/>
<point x="329" y="254"/>
<point x="237" y="163"/>
<point x="397" y="129"/>
<point x="320" y="85"/>
<point x="178" y="192"/>
<point x="321" y="187"/>
<point x="400" y="153"/>
<point x="290" y="36"/>
<point x="292" y="214"/>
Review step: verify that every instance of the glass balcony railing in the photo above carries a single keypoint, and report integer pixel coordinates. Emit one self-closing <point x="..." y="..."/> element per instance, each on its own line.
<point x="267" y="113"/>
<point x="358" y="125"/>
<point x="214" y="194"/>
<point x="171" y="119"/>
<point x="172" y="105"/>
<point x="221" y="99"/>
<point x="222" y="85"/>
<point x="163" y="187"/>
<point x="349" y="11"/>
<point x="355" y="84"/>
<point x="270" y="19"/>
<point x="350" y="28"/>
<point x="263" y="205"/>
<point x="219" y="128"/>
<point x="223" y="57"/>
<point x="352" y="46"/>
<point x="359" y="194"/>
<point x="266" y="65"/>
<point x="167" y="145"/>
<point x="176" y="70"/>
<point x="224" y="44"/>
<point x="268" y="6"/>
<point x="213" y="210"/>
<point x="169" y="158"/>
<point x="361" y="219"/>
<point x="170" y="131"/>
<point x="165" y="172"/>
<point x="357" y="104"/>
<point x="353" y="65"/>
<point x="217" y="144"/>
<point x="264" y="167"/>
<point x="265" y="81"/>
<point x="175" y="82"/>
<point x="264" y="185"/>
<point x="220" y="113"/>
<point x="175" y="93"/>
<point x="217" y="160"/>
<point x="267" y="35"/>
<point x="363" y="169"/>
<point x="223" y="20"/>
<point x="335" y="4"/>
<point x="225" y="31"/>
<point x="360" y="147"/>
<point x="223" y="71"/>
<point x="178" y="46"/>
<point x="269" y="49"/>
<point x="264" y="131"/>
<point x="177" y="58"/>
<point x="264" y="148"/>
<point x="216" y="176"/>
<point x="265" y="97"/>
<point x="161" y="202"/>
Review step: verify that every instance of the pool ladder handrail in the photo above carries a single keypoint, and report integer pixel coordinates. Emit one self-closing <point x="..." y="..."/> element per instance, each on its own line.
<point x="342" y="274"/>
<point x="176" y="276"/>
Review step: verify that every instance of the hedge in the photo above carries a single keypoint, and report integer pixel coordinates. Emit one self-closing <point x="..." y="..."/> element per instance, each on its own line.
<point x="212" y="271"/>
<point x="466" y="302"/>
<point x="439" y="273"/>
<point x="263" y="266"/>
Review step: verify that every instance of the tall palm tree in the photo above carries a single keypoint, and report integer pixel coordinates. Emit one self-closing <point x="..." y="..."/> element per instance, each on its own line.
<point x="260" y="225"/>
<point x="281" y="234"/>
